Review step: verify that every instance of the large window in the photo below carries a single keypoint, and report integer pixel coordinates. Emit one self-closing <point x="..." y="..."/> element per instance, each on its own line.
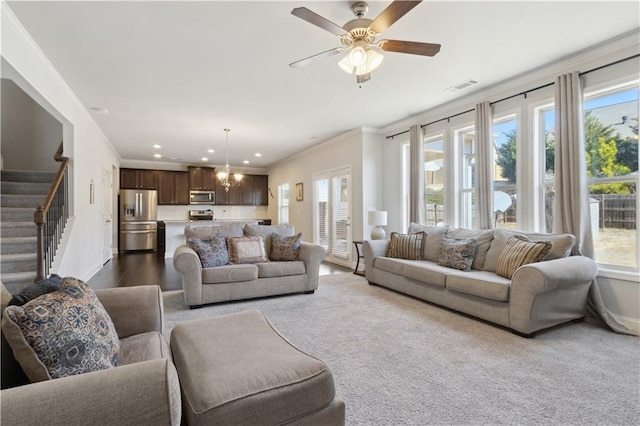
<point x="434" y="179"/>
<point x="467" y="146"/>
<point x="505" y="172"/>
<point x="283" y="203"/>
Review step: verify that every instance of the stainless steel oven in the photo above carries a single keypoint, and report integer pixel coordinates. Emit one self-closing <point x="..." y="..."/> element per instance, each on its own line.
<point x="202" y="197"/>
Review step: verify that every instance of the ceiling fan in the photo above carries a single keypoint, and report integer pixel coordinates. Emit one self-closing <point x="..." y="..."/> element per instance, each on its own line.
<point x="358" y="37"/>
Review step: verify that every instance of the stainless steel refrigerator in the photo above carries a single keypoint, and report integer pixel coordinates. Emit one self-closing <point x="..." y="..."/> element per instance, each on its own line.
<point x="138" y="219"/>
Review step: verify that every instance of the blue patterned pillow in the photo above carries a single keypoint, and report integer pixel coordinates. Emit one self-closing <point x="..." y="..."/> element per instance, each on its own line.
<point x="63" y="333"/>
<point x="284" y="247"/>
<point x="212" y="252"/>
<point x="53" y="283"/>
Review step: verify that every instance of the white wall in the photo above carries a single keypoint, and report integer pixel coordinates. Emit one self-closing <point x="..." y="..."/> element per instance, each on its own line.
<point x="84" y="143"/>
<point x="30" y="135"/>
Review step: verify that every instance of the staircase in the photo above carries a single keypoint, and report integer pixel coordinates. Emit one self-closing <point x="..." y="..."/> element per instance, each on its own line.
<point x="21" y="193"/>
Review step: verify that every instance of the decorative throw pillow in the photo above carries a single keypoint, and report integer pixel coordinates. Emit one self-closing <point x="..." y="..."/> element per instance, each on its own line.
<point x="433" y="241"/>
<point x="246" y="249"/>
<point x="285" y="248"/>
<point x="407" y="246"/>
<point x="212" y="252"/>
<point x="53" y="283"/>
<point x="457" y="253"/>
<point x="519" y="251"/>
<point x="63" y="333"/>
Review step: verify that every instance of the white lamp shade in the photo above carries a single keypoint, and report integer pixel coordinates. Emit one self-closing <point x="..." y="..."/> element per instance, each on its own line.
<point x="378" y="218"/>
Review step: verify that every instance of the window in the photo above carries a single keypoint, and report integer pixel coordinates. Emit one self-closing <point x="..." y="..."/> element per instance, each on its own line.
<point x="546" y="120"/>
<point x="467" y="145"/>
<point x="505" y="172"/>
<point x="611" y="147"/>
<point x="434" y="179"/>
<point x="283" y="203"/>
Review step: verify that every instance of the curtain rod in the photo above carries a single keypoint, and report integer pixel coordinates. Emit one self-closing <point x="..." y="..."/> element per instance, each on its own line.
<point x="524" y="93"/>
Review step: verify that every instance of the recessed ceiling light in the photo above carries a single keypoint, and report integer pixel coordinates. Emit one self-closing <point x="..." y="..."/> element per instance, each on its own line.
<point x="99" y="110"/>
<point x="156" y="146"/>
<point x="157" y="155"/>
<point x="257" y="154"/>
<point x="246" y="161"/>
<point x="211" y="151"/>
<point x="204" y="159"/>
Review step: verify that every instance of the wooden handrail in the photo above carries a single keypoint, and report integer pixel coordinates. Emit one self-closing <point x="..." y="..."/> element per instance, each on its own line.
<point x="40" y="215"/>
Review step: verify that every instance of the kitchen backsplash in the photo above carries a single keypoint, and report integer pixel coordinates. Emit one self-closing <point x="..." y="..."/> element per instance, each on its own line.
<point x="219" y="212"/>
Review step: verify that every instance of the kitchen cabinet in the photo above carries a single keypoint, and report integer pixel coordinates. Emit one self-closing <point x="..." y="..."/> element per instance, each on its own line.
<point x="173" y="188"/>
<point x="138" y="179"/>
<point x="261" y="190"/>
<point x="253" y="190"/>
<point x="202" y="179"/>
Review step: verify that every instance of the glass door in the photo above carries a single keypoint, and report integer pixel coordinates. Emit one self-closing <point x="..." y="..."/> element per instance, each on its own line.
<point x="332" y="214"/>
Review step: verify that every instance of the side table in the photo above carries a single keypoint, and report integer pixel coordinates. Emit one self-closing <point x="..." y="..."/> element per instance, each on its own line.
<point x="359" y="255"/>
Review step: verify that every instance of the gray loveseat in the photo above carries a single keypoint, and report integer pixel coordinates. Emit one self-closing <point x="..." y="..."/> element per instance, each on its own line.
<point x="143" y="390"/>
<point x="244" y="281"/>
<point x="538" y="296"/>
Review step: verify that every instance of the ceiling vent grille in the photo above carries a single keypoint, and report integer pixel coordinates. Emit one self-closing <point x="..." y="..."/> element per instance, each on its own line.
<point x="461" y="86"/>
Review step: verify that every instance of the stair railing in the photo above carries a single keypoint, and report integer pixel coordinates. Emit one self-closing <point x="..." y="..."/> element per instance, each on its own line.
<point x="51" y="217"/>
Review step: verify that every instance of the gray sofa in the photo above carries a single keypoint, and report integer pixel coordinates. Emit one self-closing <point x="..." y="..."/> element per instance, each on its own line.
<point x="244" y="281"/>
<point x="538" y="296"/>
<point x="143" y="390"/>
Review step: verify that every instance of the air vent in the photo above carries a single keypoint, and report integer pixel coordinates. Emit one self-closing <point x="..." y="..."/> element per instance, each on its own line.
<point x="461" y="86"/>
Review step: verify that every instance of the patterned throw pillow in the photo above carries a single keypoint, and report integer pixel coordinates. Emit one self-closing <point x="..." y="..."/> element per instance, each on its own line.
<point x="284" y="247"/>
<point x="457" y="253"/>
<point x="212" y="252"/>
<point x="53" y="283"/>
<point x="63" y="333"/>
<point x="407" y="246"/>
<point x="246" y="249"/>
<point x="519" y="251"/>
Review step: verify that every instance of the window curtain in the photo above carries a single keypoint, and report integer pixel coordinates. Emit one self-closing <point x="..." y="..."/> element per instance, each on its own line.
<point x="571" y="201"/>
<point x="484" y="165"/>
<point x="416" y="175"/>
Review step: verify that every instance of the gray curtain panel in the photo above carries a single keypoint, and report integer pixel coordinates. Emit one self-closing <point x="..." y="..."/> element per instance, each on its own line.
<point x="417" y="212"/>
<point x="571" y="201"/>
<point x="484" y="165"/>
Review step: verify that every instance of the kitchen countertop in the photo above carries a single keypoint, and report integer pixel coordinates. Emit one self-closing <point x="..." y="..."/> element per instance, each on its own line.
<point x="211" y="222"/>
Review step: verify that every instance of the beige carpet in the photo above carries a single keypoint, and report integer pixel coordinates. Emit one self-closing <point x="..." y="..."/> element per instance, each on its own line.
<point x="400" y="361"/>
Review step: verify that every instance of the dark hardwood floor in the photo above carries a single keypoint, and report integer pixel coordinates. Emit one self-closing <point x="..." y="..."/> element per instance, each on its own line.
<point x="131" y="269"/>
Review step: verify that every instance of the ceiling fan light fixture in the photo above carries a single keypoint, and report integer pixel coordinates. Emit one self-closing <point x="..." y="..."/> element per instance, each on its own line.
<point x="346" y="65"/>
<point x="374" y="59"/>
<point x="358" y="56"/>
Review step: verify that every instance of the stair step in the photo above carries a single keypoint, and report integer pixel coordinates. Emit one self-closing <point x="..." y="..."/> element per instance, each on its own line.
<point x="22" y="200"/>
<point x="18" y="245"/>
<point x="27" y="176"/>
<point x="18" y="229"/>
<point x="16" y="281"/>
<point x="24" y="262"/>
<point x="25" y="188"/>
<point x="16" y="214"/>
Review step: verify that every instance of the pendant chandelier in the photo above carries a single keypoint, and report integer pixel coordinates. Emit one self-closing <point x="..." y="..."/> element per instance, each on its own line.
<point x="224" y="176"/>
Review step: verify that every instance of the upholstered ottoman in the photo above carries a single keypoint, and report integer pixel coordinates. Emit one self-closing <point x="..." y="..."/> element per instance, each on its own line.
<point x="238" y="370"/>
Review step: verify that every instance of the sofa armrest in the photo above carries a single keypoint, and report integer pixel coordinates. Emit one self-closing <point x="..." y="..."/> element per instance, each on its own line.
<point x="134" y="310"/>
<point x="372" y="249"/>
<point x="145" y="393"/>
<point x="188" y="265"/>
<point x="544" y="292"/>
<point x="312" y="255"/>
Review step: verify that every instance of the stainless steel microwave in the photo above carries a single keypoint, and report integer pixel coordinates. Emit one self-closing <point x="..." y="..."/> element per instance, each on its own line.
<point x="202" y="197"/>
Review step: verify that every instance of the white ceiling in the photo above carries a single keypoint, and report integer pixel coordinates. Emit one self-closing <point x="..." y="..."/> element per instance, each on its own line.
<point x="177" y="73"/>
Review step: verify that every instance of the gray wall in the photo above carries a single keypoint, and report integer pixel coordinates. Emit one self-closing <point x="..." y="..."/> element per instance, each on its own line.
<point x="30" y="135"/>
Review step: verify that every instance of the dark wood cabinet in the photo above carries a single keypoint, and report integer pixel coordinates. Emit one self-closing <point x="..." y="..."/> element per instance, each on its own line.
<point x="253" y="190"/>
<point x="173" y="188"/>
<point x="138" y="179"/>
<point x="248" y="190"/>
<point x="202" y="179"/>
<point x="261" y="190"/>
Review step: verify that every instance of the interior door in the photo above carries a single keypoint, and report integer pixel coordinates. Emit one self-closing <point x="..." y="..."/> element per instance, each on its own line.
<point x="332" y="215"/>
<point x="107" y="217"/>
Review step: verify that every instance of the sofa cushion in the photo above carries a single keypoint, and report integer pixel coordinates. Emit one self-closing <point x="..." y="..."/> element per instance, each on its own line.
<point x="433" y="242"/>
<point x="63" y="333"/>
<point x="483" y="239"/>
<point x="284" y="248"/>
<point x="211" y="251"/>
<point x="280" y="269"/>
<point x="407" y="246"/>
<point x="204" y="232"/>
<point x="230" y="274"/>
<point x="457" y="253"/>
<point x="519" y="251"/>
<point x="480" y="283"/>
<point x="53" y="283"/>
<point x="266" y="230"/>
<point x="246" y="249"/>
<point x="426" y="272"/>
<point x="143" y="347"/>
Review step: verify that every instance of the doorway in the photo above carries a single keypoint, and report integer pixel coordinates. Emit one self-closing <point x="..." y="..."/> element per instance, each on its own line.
<point x="107" y="216"/>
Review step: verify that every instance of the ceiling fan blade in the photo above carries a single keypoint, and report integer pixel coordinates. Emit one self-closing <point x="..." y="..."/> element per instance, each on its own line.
<point x="391" y="14"/>
<point x="317" y="20"/>
<point x="306" y="61"/>
<point x="412" y="47"/>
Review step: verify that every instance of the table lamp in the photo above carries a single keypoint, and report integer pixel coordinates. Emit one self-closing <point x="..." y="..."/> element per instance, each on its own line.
<point x="378" y="219"/>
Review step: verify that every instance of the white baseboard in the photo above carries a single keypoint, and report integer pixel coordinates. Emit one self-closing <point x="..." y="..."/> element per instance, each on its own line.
<point x="632" y="323"/>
